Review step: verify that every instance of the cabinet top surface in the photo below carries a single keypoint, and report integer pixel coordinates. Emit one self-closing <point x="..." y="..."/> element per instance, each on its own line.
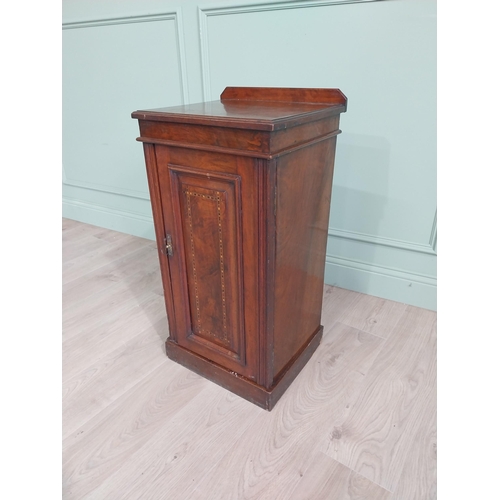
<point x="254" y="108"/>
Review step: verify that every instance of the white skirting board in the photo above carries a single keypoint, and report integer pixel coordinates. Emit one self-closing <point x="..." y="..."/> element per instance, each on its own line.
<point x="408" y="288"/>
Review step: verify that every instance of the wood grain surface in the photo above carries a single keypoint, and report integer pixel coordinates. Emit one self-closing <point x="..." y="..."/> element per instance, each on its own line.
<point x="377" y="435"/>
<point x="359" y="422"/>
<point x="327" y="479"/>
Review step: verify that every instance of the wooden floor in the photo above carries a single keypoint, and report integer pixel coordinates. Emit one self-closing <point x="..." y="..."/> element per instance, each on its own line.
<point x="359" y="422"/>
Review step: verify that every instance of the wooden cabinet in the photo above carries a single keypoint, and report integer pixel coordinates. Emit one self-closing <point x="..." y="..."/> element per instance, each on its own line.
<point x="240" y="190"/>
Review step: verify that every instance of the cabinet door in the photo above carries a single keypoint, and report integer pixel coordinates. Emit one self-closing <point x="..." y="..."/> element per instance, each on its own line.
<point x="203" y="217"/>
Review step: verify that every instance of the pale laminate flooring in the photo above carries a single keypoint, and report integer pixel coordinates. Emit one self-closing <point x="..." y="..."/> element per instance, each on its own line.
<point x="359" y="422"/>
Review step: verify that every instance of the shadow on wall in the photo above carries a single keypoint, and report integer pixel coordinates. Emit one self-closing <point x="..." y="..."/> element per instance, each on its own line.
<point x="362" y="161"/>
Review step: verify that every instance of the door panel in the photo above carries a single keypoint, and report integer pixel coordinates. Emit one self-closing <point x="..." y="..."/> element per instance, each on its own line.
<point x="203" y="213"/>
<point x="209" y="218"/>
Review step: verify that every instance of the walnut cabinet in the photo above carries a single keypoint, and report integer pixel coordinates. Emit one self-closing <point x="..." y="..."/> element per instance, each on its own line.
<point x="240" y="190"/>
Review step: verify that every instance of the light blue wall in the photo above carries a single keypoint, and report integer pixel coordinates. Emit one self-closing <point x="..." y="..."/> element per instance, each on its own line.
<point x="121" y="56"/>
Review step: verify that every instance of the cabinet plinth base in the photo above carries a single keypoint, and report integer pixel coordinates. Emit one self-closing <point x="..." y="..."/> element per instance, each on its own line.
<point x="265" y="398"/>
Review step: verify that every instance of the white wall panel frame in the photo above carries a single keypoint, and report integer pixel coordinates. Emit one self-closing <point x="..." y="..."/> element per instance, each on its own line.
<point x="207" y="11"/>
<point x="427" y="248"/>
<point x="176" y="17"/>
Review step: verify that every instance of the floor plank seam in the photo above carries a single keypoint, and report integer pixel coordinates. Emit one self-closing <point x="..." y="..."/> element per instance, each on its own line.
<point x="72" y="378"/>
<point x="98" y="416"/>
<point x="120" y="260"/>
<point x="69" y="308"/>
<point x="356" y="472"/>
<point x="372" y="481"/>
<point x="148" y="296"/>
<point x="138" y="381"/>
<point x="66" y="281"/>
<point x="191" y="406"/>
<point x="361" y="330"/>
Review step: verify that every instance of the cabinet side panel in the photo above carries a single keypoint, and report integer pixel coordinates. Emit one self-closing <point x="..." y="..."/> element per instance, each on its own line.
<point x="304" y="186"/>
<point x="300" y="134"/>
